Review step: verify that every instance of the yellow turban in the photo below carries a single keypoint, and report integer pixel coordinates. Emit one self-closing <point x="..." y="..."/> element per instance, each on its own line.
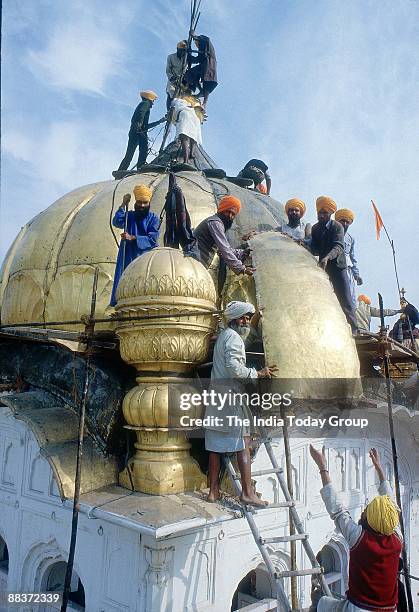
<point x="326" y="203"/>
<point x="382" y="515"/>
<point x="149" y="95"/>
<point x="295" y="203"/>
<point x="142" y="193"/>
<point x="344" y="213"/>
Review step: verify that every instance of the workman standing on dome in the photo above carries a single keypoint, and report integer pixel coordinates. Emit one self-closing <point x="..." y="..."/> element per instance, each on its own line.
<point x="211" y="236"/>
<point x="137" y="135"/>
<point x="203" y="76"/>
<point x="257" y="171"/>
<point x="327" y="241"/>
<point x="374" y="542"/>
<point x="295" y="228"/>
<point x="346" y="217"/>
<point x="141" y="231"/>
<point x="174" y="65"/>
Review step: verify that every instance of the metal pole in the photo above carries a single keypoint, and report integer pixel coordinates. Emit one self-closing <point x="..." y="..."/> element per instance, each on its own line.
<point x="193" y="23"/>
<point x="293" y="544"/>
<point x="77" y="482"/>
<point x="394" y="455"/>
<point x="124" y="244"/>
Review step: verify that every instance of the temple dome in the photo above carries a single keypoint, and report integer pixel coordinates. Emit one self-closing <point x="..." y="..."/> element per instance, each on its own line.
<point x="47" y="274"/>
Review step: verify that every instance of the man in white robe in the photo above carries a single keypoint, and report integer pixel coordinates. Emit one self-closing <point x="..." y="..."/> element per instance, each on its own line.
<point x="229" y="372"/>
<point x="188" y="127"/>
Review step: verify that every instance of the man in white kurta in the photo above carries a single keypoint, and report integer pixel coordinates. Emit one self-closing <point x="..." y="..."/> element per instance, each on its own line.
<point x="188" y="127"/>
<point x="228" y="374"/>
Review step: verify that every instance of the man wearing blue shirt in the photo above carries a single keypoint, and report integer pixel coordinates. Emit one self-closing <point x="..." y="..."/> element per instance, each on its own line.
<point x="141" y="231"/>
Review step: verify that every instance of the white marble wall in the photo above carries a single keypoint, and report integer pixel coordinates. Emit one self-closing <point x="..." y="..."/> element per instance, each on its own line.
<point x="123" y="570"/>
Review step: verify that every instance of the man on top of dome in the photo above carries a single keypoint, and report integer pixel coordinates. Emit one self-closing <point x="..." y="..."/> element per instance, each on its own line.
<point x="256" y="170"/>
<point x="295" y="228"/>
<point x="327" y="241"/>
<point x="211" y="236"/>
<point x="137" y="135"/>
<point x="203" y="76"/>
<point x="174" y="65"/>
<point x="141" y="231"/>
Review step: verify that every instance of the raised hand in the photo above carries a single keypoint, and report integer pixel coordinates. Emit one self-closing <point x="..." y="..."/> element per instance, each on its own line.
<point x="126" y="200"/>
<point x="318" y="457"/>
<point x="375" y="458"/>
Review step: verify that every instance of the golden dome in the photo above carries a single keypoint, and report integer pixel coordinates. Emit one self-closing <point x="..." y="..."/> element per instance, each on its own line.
<point x="162" y="273"/>
<point x="165" y="283"/>
<point x="47" y="274"/>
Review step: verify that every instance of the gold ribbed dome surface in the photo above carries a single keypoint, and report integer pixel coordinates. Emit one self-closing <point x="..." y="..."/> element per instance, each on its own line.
<point x="163" y="273"/>
<point x="47" y="274"/>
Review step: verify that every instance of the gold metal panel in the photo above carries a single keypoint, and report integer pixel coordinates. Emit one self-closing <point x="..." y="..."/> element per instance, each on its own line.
<point x="23" y="298"/>
<point x="304" y="329"/>
<point x="37" y="245"/>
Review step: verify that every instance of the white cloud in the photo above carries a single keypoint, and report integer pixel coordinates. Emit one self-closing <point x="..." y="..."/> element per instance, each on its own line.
<point x="82" y="51"/>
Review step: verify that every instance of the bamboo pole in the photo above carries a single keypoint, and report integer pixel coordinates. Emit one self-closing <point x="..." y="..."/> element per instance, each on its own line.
<point x="77" y="481"/>
<point x="394" y="455"/>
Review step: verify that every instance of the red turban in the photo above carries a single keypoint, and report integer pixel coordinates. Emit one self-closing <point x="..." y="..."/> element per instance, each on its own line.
<point x="229" y="203"/>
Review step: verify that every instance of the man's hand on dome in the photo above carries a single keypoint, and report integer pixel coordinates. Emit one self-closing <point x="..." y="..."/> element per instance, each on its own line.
<point x="267" y="371"/>
<point x="126" y="236"/>
<point x="323" y="263"/>
<point x="254" y="321"/>
<point x="249" y="235"/>
<point x="249" y="271"/>
<point x="126" y="200"/>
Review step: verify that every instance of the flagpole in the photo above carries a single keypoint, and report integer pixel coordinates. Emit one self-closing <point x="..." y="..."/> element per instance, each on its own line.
<point x="391" y="244"/>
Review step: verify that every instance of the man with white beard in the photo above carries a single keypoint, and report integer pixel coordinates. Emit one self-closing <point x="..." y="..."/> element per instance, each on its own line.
<point x="230" y="370"/>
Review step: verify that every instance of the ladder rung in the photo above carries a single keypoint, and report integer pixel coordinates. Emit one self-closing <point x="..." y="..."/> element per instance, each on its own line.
<point x="288" y="538"/>
<point x="270" y="471"/>
<point x="292" y="573"/>
<point x="285" y="504"/>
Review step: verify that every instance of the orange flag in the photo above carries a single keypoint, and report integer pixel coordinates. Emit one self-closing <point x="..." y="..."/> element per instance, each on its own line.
<point x="378" y="220"/>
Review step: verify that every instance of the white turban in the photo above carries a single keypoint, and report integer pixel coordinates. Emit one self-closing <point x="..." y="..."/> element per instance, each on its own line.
<point x="235" y="310"/>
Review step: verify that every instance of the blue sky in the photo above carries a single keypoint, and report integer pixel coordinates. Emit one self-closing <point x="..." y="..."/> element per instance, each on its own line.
<point x="327" y="92"/>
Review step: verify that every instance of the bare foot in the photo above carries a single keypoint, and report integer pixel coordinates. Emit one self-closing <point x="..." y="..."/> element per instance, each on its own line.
<point x="253" y="500"/>
<point x="213" y="496"/>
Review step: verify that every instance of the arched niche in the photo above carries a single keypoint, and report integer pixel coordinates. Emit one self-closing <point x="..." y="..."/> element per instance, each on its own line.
<point x="256" y="584"/>
<point x="44" y="570"/>
<point x="4" y="564"/>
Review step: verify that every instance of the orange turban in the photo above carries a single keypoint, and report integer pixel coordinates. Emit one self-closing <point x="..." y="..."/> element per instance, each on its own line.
<point x="364" y="298"/>
<point x="344" y="213"/>
<point x="229" y="203"/>
<point x="149" y="95"/>
<point x="142" y="193"/>
<point x="326" y="203"/>
<point x="296" y="203"/>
